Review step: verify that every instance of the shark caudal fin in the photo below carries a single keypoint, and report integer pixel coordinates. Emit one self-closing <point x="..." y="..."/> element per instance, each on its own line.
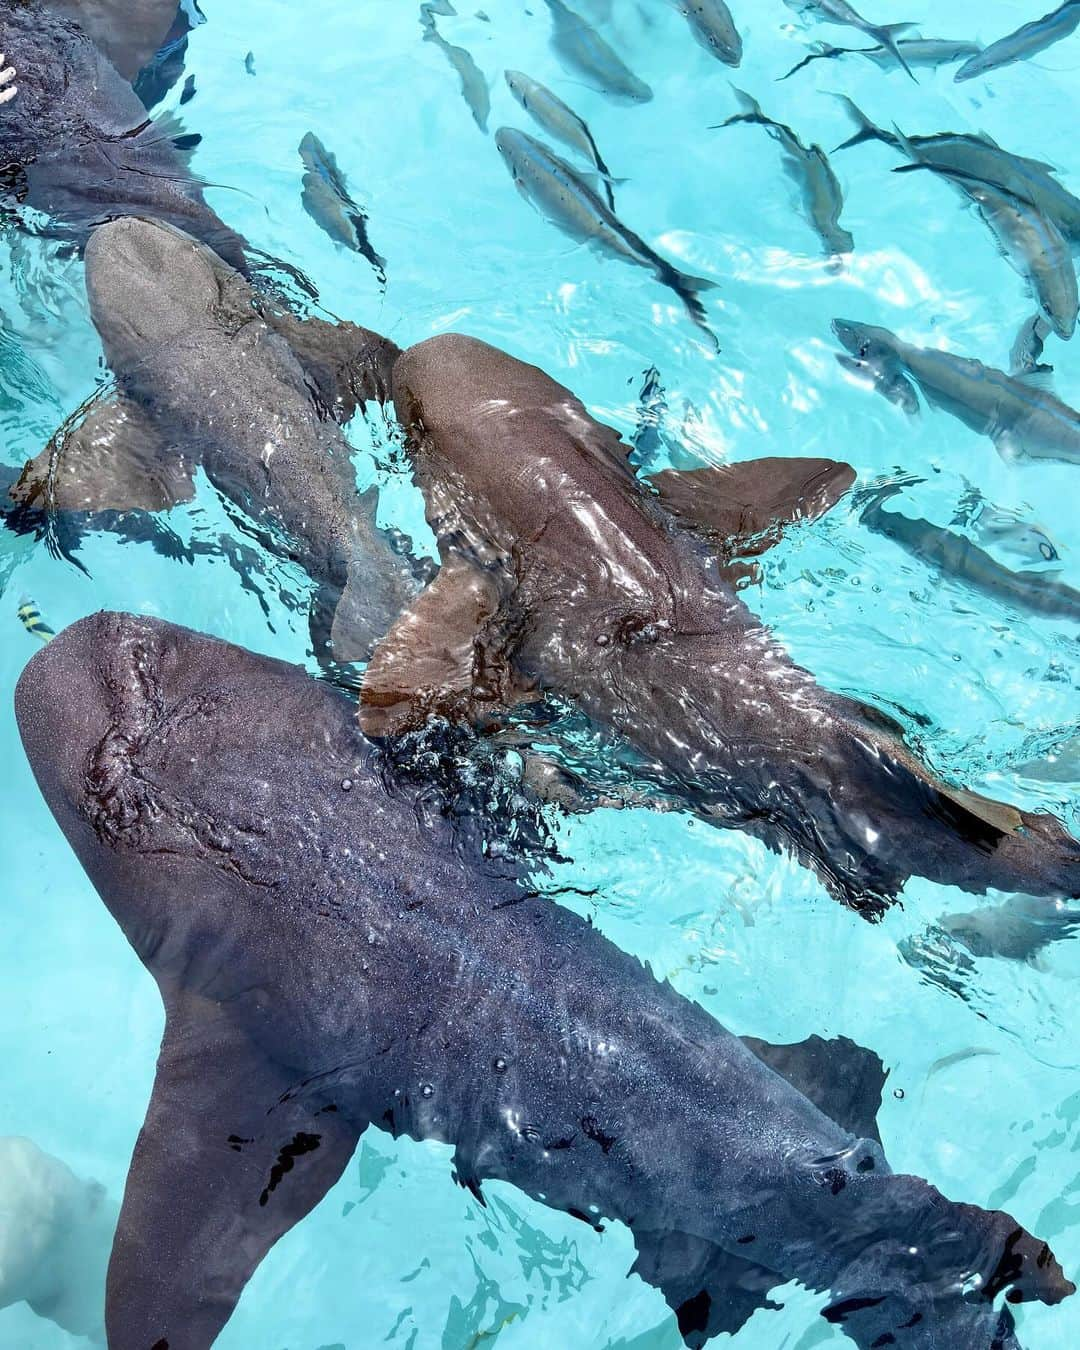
<point x="228" y="1160"/>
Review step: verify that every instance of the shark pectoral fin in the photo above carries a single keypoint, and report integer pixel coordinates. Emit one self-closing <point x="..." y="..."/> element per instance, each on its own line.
<point x="709" y="1290"/>
<point x="446" y="656"/>
<point x="745" y="506"/>
<point x="108" y="457"/>
<point x="226" y="1163"/>
<point x="843" y="1080"/>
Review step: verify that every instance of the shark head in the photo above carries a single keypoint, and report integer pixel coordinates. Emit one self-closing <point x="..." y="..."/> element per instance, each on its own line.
<point x="864" y="341"/>
<point x="148" y="284"/>
<point x="144" y="741"/>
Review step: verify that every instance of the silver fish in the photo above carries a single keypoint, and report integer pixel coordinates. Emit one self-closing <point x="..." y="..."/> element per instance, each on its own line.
<point x="956" y="557"/>
<point x="579" y="46"/>
<point x="979" y="157"/>
<point x="327" y="201"/>
<point x="1026" y="355"/>
<point x="927" y="52"/>
<point x="1033" y="244"/>
<point x="1023" y="421"/>
<point x="474" y="87"/>
<point x="810" y="169"/>
<point x="559" y="192"/>
<point x="711" y="23"/>
<point x="559" y="120"/>
<point x="1026" y="41"/>
<point x="841" y="13"/>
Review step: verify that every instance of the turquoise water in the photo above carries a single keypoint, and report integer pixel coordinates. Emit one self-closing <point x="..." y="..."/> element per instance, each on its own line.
<point x="984" y="1094"/>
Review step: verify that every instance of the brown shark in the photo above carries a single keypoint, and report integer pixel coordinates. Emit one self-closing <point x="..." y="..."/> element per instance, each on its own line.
<point x="564" y="573"/>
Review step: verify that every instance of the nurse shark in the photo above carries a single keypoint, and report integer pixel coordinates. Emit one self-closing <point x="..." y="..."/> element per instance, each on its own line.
<point x="77" y="145"/>
<point x="329" y="966"/>
<point x="565" y="573"/>
<point x="210" y="374"/>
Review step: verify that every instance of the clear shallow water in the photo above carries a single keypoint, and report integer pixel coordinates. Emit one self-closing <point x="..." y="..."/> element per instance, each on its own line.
<point x="984" y="1092"/>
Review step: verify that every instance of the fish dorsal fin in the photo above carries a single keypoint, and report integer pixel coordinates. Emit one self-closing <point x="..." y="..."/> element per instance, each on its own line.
<point x="843" y="1080"/>
<point x="109" y="456"/>
<point x="709" y="1290"/>
<point x="226" y="1163"/>
<point x="447" y="655"/>
<point x="744" y="507"/>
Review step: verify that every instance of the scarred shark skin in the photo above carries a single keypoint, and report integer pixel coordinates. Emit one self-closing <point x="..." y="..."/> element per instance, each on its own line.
<point x="330" y="960"/>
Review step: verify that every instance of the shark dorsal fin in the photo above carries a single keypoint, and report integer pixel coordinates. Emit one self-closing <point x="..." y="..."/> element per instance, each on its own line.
<point x="227" y="1161"/>
<point x="843" y="1080"/>
<point x="744" y="507"/>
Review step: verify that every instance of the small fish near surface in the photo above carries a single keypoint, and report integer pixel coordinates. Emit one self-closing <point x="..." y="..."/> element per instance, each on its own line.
<point x="712" y="24"/>
<point x="563" y="196"/>
<point x="329" y="966"/>
<point x="809" y="167"/>
<point x="1027" y="351"/>
<point x="1024" y="421"/>
<point x="327" y="201"/>
<point x="560" y="120"/>
<point x="841" y="13"/>
<point x="581" y="48"/>
<point x="31" y="620"/>
<point x="977" y="157"/>
<point x="474" y="85"/>
<point x="959" y="559"/>
<point x="916" y="52"/>
<point x="1026" y="41"/>
<point x="1032" y="243"/>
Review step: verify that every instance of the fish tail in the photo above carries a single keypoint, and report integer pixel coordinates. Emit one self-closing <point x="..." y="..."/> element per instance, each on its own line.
<point x="688" y="288"/>
<point x="31" y="620"/>
<point x="867" y="130"/>
<point x="886" y="34"/>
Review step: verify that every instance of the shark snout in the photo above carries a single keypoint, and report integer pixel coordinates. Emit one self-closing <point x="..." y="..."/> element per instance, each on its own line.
<point x="147" y="282"/>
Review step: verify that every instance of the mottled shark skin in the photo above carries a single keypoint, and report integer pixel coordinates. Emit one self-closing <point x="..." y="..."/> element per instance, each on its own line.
<point x="329" y="963"/>
<point x="77" y="145"/>
<point x="210" y="374"/>
<point x="562" y="572"/>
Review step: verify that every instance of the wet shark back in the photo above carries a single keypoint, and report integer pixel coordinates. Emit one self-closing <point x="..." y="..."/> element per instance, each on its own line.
<point x="80" y="147"/>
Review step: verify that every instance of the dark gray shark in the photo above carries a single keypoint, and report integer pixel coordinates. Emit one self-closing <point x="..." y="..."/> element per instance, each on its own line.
<point x="76" y="144"/>
<point x="328" y="967"/>
<point x="564" y="573"/>
<point x="211" y="374"/>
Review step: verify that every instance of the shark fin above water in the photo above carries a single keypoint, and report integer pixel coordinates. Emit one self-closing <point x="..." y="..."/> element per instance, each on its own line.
<point x="446" y="656"/>
<point x="745" y="506"/>
<point x="109" y="456"/>
<point x="226" y="1163"/>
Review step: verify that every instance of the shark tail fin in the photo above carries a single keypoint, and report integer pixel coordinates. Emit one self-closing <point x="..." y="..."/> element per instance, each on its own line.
<point x="229" y="1158"/>
<point x="867" y="130"/>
